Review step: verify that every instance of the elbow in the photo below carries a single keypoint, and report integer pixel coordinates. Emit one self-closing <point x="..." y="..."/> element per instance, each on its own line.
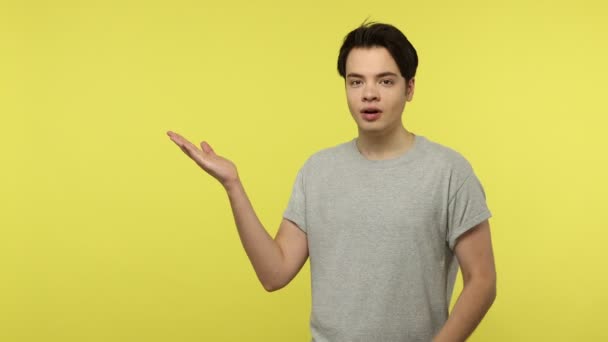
<point x="272" y="283"/>
<point x="490" y="286"/>
<point x="491" y="280"/>
<point x="493" y="290"/>
<point x="485" y="284"/>
<point x="271" y="287"/>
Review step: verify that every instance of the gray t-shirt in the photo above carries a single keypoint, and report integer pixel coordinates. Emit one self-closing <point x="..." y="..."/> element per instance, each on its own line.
<point x="381" y="237"/>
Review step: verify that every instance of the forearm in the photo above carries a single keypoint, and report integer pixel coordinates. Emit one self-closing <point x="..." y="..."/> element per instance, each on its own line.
<point x="263" y="252"/>
<point x="474" y="301"/>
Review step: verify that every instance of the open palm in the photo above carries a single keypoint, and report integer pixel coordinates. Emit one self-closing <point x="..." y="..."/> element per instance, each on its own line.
<point x="217" y="166"/>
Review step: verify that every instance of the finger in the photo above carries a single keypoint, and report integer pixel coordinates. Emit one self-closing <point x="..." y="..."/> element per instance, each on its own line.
<point x="173" y="135"/>
<point x="181" y="141"/>
<point x="176" y="138"/>
<point x="191" y="146"/>
<point x="206" y="147"/>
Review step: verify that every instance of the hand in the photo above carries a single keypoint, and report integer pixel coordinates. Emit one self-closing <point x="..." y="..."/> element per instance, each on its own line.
<point x="219" y="167"/>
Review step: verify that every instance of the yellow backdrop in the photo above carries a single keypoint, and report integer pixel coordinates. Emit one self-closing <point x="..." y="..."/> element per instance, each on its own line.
<point x="109" y="233"/>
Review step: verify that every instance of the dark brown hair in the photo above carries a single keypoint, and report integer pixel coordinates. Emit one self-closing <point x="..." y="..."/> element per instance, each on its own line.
<point x="374" y="34"/>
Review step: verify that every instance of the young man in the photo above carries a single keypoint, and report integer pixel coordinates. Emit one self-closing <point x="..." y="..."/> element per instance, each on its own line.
<point x="386" y="218"/>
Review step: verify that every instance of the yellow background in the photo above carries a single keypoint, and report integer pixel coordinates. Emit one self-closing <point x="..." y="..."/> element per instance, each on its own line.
<point x="109" y="233"/>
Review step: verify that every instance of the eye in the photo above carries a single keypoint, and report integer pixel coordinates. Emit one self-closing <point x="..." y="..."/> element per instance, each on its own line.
<point x="387" y="82"/>
<point x="355" y="82"/>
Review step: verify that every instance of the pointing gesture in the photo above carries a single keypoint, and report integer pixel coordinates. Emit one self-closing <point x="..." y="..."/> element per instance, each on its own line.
<point x="219" y="167"/>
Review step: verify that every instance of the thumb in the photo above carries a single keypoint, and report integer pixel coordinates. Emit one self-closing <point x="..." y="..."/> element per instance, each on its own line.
<point x="206" y="147"/>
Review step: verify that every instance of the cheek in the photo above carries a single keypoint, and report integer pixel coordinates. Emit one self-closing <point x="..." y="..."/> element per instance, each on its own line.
<point x="397" y="101"/>
<point x="350" y="100"/>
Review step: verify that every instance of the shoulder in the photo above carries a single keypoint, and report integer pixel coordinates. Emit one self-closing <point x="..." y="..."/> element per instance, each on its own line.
<point x="447" y="159"/>
<point x="329" y="157"/>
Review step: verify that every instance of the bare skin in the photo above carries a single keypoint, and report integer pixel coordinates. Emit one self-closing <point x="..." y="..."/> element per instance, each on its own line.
<point x="373" y="80"/>
<point x="275" y="261"/>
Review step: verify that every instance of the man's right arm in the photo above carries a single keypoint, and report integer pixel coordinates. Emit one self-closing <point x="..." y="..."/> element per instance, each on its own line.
<point x="275" y="261"/>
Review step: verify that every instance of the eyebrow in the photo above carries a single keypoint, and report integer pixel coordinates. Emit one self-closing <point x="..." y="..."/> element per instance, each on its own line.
<point x="382" y="74"/>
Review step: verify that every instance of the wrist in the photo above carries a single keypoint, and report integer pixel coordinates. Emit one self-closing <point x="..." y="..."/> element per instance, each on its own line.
<point x="232" y="184"/>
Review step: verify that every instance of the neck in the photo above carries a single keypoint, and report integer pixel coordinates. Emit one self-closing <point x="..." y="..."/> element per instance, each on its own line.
<point x="385" y="146"/>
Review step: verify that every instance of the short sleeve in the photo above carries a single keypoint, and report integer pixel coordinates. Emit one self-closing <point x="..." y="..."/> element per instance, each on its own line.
<point x="466" y="209"/>
<point x="296" y="207"/>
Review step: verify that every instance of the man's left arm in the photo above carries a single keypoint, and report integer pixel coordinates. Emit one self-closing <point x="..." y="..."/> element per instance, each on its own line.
<point x="474" y="252"/>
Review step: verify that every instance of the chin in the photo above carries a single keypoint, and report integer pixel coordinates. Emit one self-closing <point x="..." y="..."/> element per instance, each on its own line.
<point x="373" y="130"/>
<point x="375" y="127"/>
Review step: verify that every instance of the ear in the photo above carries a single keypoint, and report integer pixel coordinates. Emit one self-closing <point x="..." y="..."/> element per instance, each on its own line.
<point x="409" y="89"/>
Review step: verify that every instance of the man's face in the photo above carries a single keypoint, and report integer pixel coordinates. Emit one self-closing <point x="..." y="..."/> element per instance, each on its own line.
<point x="375" y="90"/>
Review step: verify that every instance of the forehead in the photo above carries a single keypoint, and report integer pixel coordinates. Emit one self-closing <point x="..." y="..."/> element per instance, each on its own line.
<point x="370" y="61"/>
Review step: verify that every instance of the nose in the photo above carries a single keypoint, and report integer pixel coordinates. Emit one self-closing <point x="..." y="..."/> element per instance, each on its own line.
<point x="370" y="93"/>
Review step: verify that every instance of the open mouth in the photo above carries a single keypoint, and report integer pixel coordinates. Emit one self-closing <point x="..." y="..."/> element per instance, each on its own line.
<point x="371" y="114"/>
